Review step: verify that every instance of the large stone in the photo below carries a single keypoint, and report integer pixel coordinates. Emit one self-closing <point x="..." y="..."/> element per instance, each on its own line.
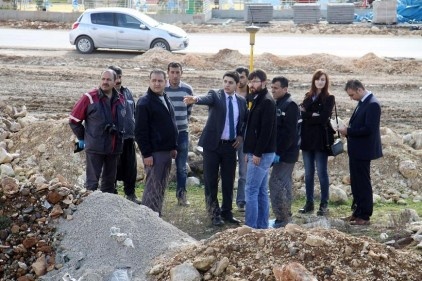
<point x="414" y="139"/>
<point x="337" y="195"/>
<point x="221" y="266"/>
<point x="184" y="272"/>
<point x="408" y="169"/>
<point x="292" y="272"/>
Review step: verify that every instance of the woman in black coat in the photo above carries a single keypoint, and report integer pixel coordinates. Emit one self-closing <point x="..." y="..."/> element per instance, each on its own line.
<point x="316" y="112"/>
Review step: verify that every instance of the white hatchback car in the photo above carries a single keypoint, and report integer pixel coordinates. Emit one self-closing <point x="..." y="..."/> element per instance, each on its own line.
<point x="124" y="28"/>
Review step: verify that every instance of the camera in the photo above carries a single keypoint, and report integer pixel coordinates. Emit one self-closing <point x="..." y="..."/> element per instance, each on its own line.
<point x="111" y="129"/>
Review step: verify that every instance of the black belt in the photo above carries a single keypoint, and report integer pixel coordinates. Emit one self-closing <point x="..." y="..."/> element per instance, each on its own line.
<point x="227" y="141"/>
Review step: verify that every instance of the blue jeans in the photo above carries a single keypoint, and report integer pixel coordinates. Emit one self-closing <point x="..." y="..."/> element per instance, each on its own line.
<point x="257" y="201"/>
<point x="310" y="157"/>
<point x="240" y="196"/>
<point x="181" y="159"/>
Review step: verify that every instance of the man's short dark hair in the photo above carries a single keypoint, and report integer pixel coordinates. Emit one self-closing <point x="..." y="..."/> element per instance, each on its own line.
<point x="258" y="73"/>
<point x="232" y="74"/>
<point x="174" y="65"/>
<point x="157" y="71"/>
<point x="242" y="69"/>
<point x="354" y="85"/>
<point x="116" y="69"/>
<point x="284" y="82"/>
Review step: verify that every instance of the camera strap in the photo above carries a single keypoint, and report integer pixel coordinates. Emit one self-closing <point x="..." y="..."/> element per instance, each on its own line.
<point x="107" y="118"/>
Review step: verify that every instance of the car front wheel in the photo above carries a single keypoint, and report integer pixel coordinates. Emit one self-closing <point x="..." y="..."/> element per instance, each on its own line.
<point x="160" y="43"/>
<point x="84" y="45"/>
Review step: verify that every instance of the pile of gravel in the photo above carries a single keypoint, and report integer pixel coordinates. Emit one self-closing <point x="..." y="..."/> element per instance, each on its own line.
<point x="88" y="251"/>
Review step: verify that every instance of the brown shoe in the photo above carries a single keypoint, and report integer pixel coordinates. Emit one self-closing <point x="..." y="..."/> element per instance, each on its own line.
<point x="349" y="218"/>
<point x="359" y="221"/>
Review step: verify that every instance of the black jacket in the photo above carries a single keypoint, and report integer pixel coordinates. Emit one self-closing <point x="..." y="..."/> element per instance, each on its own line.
<point x="155" y="125"/>
<point x="287" y="129"/>
<point x="260" y="136"/>
<point x="313" y="136"/>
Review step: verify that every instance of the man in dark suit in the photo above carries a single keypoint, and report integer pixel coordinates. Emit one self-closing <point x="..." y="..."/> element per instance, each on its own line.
<point x="363" y="145"/>
<point x="220" y="138"/>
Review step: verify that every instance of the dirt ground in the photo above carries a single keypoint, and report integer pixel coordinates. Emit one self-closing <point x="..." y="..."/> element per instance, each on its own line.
<point x="48" y="83"/>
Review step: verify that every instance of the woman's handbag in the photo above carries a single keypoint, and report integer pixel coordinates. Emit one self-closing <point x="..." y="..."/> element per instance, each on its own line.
<point x="336" y="147"/>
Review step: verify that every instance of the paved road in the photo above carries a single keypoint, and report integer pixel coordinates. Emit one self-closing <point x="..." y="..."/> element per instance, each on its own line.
<point x="278" y="44"/>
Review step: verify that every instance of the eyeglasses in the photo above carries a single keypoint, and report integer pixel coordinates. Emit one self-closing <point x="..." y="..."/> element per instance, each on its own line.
<point x="254" y="81"/>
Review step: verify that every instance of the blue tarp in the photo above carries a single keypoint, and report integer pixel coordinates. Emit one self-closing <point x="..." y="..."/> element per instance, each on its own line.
<point x="409" y="11"/>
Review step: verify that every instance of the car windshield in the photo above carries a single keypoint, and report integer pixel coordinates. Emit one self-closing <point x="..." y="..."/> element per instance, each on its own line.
<point x="148" y="20"/>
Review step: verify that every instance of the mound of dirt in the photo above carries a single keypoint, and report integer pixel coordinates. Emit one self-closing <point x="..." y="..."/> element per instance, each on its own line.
<point x="245" y="254"/>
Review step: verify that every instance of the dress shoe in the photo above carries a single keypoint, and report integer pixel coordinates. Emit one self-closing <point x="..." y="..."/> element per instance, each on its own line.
<point x="231" y="219"/>
<point x="133" y="198"/>
<point x="308" y="208"/>
<point x="323" y="210"/>
<point x="359" y="221"/>
<point x="217" y="221"/>
<point x="279" y="223"/>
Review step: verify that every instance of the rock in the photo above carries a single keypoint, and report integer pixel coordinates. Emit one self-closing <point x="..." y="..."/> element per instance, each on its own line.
<point x="221" y="266"/>
<point x="408" y="169"/>
<point x="156" y="269"/>
<point x="7" y="170"/>
<point x="414" y="139"/>
<point x="192" y="181"/>
<point x="204" y="263"/>
<point x="54" y="197"/>
<point x="42" y="148"/>
<point x="337" y="195"/>
<point x="40" y="266"/>
<point x="184" y="272"/>
<point x="29" y="242"/>
<point x="5" y="157"/>
<point x="56" y="212"/>
<point x="292" y="272"/>
<point x="9" y="186"/>
<point x="315" y="241"/>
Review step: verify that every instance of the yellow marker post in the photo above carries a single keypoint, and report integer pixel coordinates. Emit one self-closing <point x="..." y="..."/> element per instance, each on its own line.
<point x="252" y="29"/>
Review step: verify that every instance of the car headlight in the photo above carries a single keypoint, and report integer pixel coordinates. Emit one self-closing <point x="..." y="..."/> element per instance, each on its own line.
<point x="175" y="35"/>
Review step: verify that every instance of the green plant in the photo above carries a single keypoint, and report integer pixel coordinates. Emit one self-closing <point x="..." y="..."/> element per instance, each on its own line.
<point x="4" y="222"/>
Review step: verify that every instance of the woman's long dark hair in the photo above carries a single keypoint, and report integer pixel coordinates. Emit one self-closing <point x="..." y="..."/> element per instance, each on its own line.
<point x="324" y="91"/>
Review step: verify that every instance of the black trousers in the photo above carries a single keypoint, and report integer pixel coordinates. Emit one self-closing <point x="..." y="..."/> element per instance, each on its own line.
<point x="224" y="160"/>
<point x="126" y="167"/>
<point x="360" y="179"/>
<point x="104" y="166"/>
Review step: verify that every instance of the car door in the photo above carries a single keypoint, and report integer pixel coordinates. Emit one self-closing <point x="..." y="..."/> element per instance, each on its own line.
<point x="129" y="33"/>
<point x="103" y="30"/>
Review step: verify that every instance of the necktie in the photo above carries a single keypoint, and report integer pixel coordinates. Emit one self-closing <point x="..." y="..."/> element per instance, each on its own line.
<point x="231" y="120"/>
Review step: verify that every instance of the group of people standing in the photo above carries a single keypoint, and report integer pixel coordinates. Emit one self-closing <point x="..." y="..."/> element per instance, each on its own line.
<point x="107" y="122"/>
<point x="248" y="127"/>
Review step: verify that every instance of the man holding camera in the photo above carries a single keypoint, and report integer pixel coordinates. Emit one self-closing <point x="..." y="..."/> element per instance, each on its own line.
<point x="126" y="165"/>
<point x="156" y="135"/>
<point x="101" y="135"/>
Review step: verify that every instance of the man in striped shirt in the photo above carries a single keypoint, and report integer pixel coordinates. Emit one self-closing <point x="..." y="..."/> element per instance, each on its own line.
<point x="176" y="90"/>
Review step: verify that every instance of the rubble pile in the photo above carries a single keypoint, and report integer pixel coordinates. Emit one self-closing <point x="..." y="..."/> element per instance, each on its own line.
<point x="243" y="254"/>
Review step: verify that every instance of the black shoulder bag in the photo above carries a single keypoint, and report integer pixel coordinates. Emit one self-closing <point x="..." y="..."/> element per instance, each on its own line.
<point x="337" y="147"/>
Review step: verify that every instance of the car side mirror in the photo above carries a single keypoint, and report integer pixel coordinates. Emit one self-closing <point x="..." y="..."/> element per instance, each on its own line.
<point x="142" y="26"/>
